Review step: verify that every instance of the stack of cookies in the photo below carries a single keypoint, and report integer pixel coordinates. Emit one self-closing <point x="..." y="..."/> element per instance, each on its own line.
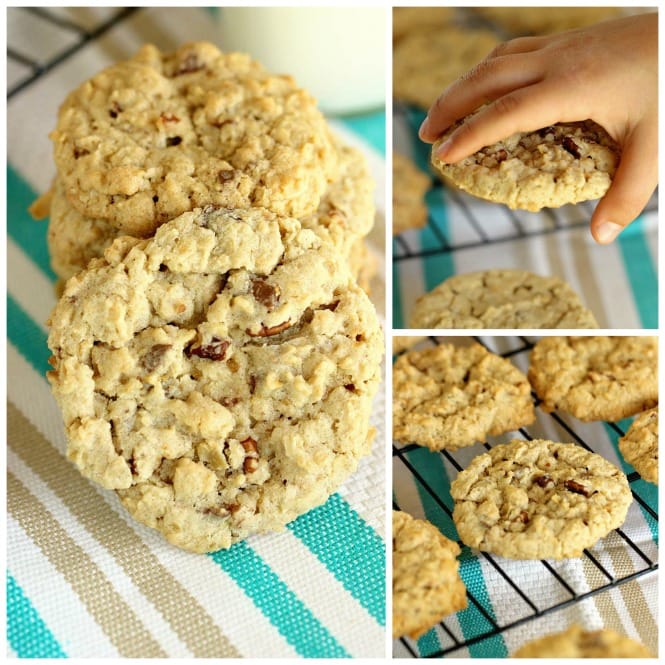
<point x="214" y="358"/>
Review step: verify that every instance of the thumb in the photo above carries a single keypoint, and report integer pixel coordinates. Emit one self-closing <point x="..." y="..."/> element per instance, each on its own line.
<point x="635" y="180"/>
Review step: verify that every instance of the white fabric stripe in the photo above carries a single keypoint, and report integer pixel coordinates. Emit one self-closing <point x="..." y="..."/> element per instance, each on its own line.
<point x="240" y="620"/>
<point x="53" y="598"/>
<point x="30" y="393"/>
<point x="28" y="285"/>
<point x="153" y="621"/>
<point x="343" y="616"/>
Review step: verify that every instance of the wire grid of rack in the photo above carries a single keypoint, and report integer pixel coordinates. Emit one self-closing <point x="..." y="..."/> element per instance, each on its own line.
<point x="61" y="37"/>
<point x="527" y="601"/>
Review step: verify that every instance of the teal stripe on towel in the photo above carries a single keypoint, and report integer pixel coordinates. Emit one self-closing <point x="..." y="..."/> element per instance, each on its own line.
<point x="430" y="466"/>
<point x="29" y="234"/>
<point x="350" y="549"/>
<point x="369" y="126"/>
<point x="639" y="266"/>
<point x="440" y="266"/>
<point x="278" y="603"/>
<point x="27" y="336"/>
<point x="27" y="634"/>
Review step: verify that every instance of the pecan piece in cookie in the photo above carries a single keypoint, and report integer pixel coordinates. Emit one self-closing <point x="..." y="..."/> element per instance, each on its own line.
<point x="265" y="293"/>
<point x="215" y="350"/>
<point x="153" y="358"/>
<point x="268" y="332"/>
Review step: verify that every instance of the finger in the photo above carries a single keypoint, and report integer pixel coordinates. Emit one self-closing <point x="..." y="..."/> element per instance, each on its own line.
<point x="634" y="182"/>
<point x="526" y="109"/>
<point x="518" y="45"/>
<point x="489" y="80"/>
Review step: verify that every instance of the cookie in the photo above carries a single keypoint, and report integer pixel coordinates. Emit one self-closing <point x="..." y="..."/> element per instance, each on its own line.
<point x="595" y="378"/>
<point x="575" y="642"/>
<point x="345" y="215"/>
<point x="639" y="446"/>
<point x="160" y="134"/>
<point x="501" y="298"/>
<point x="538" y="500"/>
<point x="407" y="20"/>
<point x="448" y="397"/>
<point x="409" y="187"/>
<point x="403" y="342"/>
<point x="426" y="581"/>
<point x="545" y="20"/>
<point x="219" y="376"/>
<point x="563" y="163"/>
<point x="427" y="61"/>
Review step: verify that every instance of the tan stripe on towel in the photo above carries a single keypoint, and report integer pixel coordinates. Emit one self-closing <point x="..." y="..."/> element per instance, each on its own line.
<point x="633" y="597"/>
<point x="186" y="616"/>
<point x="104" y="604"/>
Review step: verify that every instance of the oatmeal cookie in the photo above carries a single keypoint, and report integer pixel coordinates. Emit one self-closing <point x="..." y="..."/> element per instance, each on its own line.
<point x="501" y="298"/>
<point x="576" y="642"/>
<point x="448" y="396"/>
<point x="538" y="500"/>
<point x="426" y="581"/>
<point x="639" y="446"/>
<point x="428" y="60"/>
<point x="345" y="215"/>
<point x="160" y="134"/>
<point x="404" y="342"/>
<point x="219" y="376"/>
<point x="548" y="168"/>
<point x="407" y="20"/>
<point x="595" y="378"/>
<point x="545" y="20"/>
<point x="409" y="187"/>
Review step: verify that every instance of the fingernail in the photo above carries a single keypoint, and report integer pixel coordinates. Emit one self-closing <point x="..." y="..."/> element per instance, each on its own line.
<point x="443" y="149"/>
<point x="608" y="231"/>
<point x="424" y="128"/>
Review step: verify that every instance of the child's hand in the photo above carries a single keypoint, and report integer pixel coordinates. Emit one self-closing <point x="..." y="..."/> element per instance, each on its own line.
<point x="607" y="73"/>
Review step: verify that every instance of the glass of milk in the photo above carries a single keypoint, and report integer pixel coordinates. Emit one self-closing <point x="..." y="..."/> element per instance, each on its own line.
<point x="338" y="54"/>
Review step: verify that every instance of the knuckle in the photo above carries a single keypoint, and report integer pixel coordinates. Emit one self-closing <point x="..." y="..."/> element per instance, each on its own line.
<point x="498" y="50"/>
<point x="506" y="105"/>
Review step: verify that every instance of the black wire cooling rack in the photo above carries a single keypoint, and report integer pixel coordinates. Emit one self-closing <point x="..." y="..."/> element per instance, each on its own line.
<point x="54" y="25"/>
<point x="526" y="600"/>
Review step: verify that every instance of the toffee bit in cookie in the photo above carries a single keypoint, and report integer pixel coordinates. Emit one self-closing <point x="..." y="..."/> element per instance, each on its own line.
<point x="543" y="481"/>
<point x="169" y="117"/>
<point x="153" y="358"/>
<point x="577" y="488"/>
<point x="173" y="140"/>
<point x="249" y="445"/>
<point x="545" y="131"/>
<point x="250" y="465"/>
<point x="225" y="175"/>
<point x="80" y="152"/>
<point x="218" y="511"/>
<point x="216" y="350"/>
<point x="265" y="293"/>
<point x="500" y="156"/>
<point x="268" y="332"/>
<point x="570" y="146"/>
<point x="115" y="109"/>
<point x="189" y="64"/>
<point x="331" y="306"/>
